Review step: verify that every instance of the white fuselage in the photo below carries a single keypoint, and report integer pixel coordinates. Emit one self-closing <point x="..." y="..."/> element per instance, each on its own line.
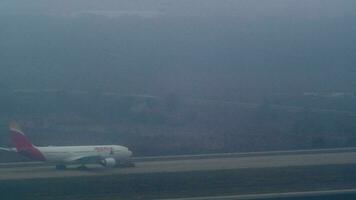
<point x="84" y="154"/>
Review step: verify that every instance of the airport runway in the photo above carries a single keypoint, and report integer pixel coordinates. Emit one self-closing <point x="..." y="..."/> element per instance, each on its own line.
<point x="320" y="194"/>
<point x="202" y="163"/>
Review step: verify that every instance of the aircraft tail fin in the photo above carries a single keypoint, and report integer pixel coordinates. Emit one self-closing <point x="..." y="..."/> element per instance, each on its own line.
<point x="23" y="144"/>
<point x="18" y="138"/>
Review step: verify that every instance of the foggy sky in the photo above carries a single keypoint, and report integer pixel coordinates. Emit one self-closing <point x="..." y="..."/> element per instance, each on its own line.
<point x="188" y="47"/>
<point x="247" y="8"/>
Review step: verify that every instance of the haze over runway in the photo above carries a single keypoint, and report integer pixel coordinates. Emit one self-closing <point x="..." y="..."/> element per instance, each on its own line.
<point x="191" y="163"/>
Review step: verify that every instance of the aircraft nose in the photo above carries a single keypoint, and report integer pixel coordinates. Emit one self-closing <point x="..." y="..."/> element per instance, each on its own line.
<point x="129" y="153"/>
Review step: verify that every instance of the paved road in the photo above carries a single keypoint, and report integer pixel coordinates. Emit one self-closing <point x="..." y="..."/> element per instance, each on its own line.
<point x="323" y="194"/>
<point x="189" y="164"/>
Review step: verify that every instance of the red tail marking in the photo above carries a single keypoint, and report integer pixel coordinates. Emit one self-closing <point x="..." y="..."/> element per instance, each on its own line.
<point x="24" y="146"/>
<point x="19" y="140"/>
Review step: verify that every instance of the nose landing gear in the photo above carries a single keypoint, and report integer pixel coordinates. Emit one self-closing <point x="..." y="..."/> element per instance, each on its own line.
<point x="125" y="164"/>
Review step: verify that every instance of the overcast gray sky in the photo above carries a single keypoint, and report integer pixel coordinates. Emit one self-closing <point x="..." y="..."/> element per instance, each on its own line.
<point x="306" y="8"/>
<point x="210" y="36"/>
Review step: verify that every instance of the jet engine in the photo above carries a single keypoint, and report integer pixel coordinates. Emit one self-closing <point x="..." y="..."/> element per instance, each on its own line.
<point x="108" y="162"/>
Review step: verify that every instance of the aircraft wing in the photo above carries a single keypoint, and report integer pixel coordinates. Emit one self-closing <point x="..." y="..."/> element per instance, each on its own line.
<point x="85" y="159"/>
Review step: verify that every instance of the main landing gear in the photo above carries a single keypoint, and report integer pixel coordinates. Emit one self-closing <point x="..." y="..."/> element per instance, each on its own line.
<point x="64" y="167"/>
<point x="82" y="167"/>
<point x="61" y="167"/>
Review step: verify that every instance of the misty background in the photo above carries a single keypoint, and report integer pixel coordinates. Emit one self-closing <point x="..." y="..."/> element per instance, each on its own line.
<point x="180" y="76"/>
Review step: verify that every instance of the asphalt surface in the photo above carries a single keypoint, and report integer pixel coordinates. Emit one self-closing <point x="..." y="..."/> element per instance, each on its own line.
<point x="203" y="163"/>
<point x="321" y="194"/>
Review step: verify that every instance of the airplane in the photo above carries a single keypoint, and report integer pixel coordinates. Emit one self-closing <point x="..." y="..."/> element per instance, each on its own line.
<point x="107" y="155"/>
